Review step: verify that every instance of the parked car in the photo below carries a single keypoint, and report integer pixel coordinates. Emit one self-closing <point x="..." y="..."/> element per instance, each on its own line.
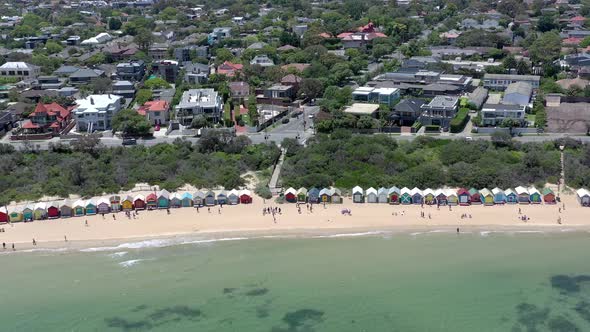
<point x="129" y="141"/>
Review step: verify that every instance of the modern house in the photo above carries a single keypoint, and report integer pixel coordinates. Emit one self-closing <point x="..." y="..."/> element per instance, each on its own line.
<point x="407" y="111"/>
<point x="156" y="112"/>
<point x="125" y="89"/>
<point x="358" y="195"/>
<point x="196" y="73"/>
<point x="384" y="96"/>
<point x="167" y="69"/>
<point x="219" y="34"/>
<point x="495" y="114"/>
<point x="19" y="70"/>
<point x="85" y="76"/>
<point x="262" y="60"/>
<point x="96" y="112"/>
<point x="440" y="111"/>
<point x="206" y="102"/>
<point x="502" y="81"/>
<point x="131" y="71"/>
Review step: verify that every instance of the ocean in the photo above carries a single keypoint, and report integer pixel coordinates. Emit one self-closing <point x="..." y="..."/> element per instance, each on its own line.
<point x="381" y="281"/>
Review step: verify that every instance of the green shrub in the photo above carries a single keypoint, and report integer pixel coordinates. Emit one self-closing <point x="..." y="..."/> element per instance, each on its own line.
<point x="460" y="120"/>
<point x="432" y="128"/>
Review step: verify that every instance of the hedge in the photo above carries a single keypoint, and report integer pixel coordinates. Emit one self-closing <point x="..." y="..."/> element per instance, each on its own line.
<point x="432" y="129"/>
<point x="460" y="120"/>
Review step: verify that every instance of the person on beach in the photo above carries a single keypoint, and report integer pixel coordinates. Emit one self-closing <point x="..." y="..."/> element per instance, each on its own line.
<point x="209" y="209"/>
<point x="3" y="245"/>
<point x="13" y="247"/>
<point x="34" y="242"/>
<point x="519" y="211"/>
<point x="114" y="217"/>
<point x="559" y="210"/>
<point x="86" y="223"/>
<point x="457" y="230"/>
<point x="65" y="239"/>
<point x="559" y="220"/>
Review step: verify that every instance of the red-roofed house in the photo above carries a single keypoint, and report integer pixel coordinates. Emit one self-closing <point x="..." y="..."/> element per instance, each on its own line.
<point x="578" y="21"/>
<point x="229" y="69"/>
<point x="367" y="28"/>
<point x="47" y="118"/>
<point x="571" y="41"/>
<point x="325" y="35"/>
<point x="155" y="111"/>
<point x="362" y="37"/>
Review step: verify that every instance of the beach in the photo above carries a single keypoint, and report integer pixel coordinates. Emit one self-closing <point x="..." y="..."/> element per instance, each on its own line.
<point x="248" y="220"/>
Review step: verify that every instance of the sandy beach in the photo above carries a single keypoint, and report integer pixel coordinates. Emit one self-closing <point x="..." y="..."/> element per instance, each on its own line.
<point x="247" y="219"/>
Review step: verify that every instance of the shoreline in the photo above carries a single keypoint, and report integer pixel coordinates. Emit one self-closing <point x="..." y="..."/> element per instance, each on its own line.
<point x="247" y="221"/>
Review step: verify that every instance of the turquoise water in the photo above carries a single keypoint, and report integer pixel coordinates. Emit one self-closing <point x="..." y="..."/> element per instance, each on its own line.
<point x="388" y="282"/>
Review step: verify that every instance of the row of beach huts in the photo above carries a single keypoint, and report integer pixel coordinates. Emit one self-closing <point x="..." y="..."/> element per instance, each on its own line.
<point x="115" y="203"/>
<point x="462" y="196"/>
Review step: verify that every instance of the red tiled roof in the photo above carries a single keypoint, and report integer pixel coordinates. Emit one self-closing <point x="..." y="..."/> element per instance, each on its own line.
<point x="30" y="125"/>
<point x="325" y="35"/>
<point x="367" y="28"/>
<point x="578" y="19"/>
<point x="571" y="41"/>
<point x="228" y="68"/>
<point x="153" y="106"/>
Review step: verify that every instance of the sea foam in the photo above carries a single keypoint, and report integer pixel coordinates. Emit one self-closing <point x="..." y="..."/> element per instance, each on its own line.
<point x="349" y="235"/>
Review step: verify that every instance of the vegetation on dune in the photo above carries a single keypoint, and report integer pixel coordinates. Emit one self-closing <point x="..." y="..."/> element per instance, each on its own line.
<point x="88" y="169"/>
<point x="345" y="160"/>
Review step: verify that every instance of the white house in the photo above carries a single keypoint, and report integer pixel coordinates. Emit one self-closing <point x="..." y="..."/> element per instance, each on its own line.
<point x="195" y="102"/>
<point x="96" y="112"/>
<point x="20" y="70"/>
<point x="101" y="38"/>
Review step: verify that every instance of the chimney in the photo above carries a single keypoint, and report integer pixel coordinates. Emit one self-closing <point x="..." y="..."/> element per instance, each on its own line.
<point x="91" y="101"/>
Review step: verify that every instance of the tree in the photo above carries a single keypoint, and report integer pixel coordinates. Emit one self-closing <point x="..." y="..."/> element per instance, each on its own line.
<point x="87" y="143"/>
<point x="156" y="83"/>
<point x="142" y="96"/>
<point x="253" y="111"/>
<point x="199" y="121"/>
<point x="311" y="88"/>
<point x="100" y="85"/>
<point x="131" y="123"/>
<point x="365" y="122"/>
<point x="96" y="59"/>
<point x="114" y="23"/>
<point x="222" y="55"/>
<point x="546" y="48"/>
<point x="547" y="23"/>
<point x="144" y="38"/>
<point x="53" y="47"/>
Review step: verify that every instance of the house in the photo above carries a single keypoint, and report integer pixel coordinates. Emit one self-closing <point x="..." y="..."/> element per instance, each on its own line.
<point x="257" y="46"/>
<point x="463" y="196"/>
<point x="187" y="199"/>
<point x="218" y="35"/>
<point x="383" y="195"/>
<point x="336" y="195"/>
<point x="291" y="195"/>
<point x="158" y="51"/>
<point x="96" y="112"/>
<point x="139" y="202"/>
<point x="239" y="90"/>
<point x="131" y="71"/>
<point x="358" y="109"/>
<point x="210" y="198"/>
<point x="450" y="36"/>
<point x="151" y="201"/>
<point x="101" y="38"/>
<point x="85" y="76"/>
<point x="407" y="111"/>
<point x="429" y="198"/>
<point x="487" y="197"/>
<point x="199" y="199"/>
<point x="302" y="195"/>
<point x="300" y="29"/>
<point x="548" y="196"/>
<point x="156" y="112"/>
<point x="292" y="80"/>
<point x="358" y="195"/>
<point x="511" y="196"/>
<point x="417" y="196"/>
<point x="280" y="92"/>
<point x="362" y="37"/>
<point x="186" y="53"/>
<point x="499" y="196"/>
<point x="3" y="214"/>
<point x="40" y="211"/>
<point x="15" y="214"/>
<point x="385" y="96"/>
<point x="79" y="206"/>
<point x="19" y="70"/>
<point x="229" y="69"/>
<point x="475" y="196"/>
<point x="163" y="199"/>
<point x="535" y="195"/>
<point x="65" y="70"/>
<point x="262" y="60"/>
<point x="439" y="111"/>
<point x="103" y="205"/>
<point x="523" y="195"/>
<point x="495" y="114"/>
<point x="196" y="73"/>
<point x="245" y="197"/>
<point x="371" y="195"/>
<point x="66" y="209"/>
<point x="28" y="212"/>
<point x="119" y="52"/>
<point x="127" y="203"/>
<point x="441" y="197"/>
<point x="124" y="89"/>
<point x="175" y="200"/>
<point x="393" y="195"/>
<point x="583" y="197"/>
<point x="233" y="197"/>
<point x="325" y="195"/>
<point x="90" y="207"/>
<point x="518" y="93"/>
<point x="47" y="118"/>
<point x="50" y="82"/>
<point x="206" y="102"/>
<point x="313" y="195"/>
<point x="502" y="81"/>
<point x="167" y="69"/>
<point x="405" y="197"/>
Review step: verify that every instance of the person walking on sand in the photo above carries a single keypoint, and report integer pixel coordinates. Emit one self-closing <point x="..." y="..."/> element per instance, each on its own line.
<point x="34" y="242"/>
<point x="13" y="247"/>
<point x="114" y="218"/>
<point x="559" y="220"/>
<point x="209" y="209"/>
<point x="86" y="223"/>
<point x="3" y="245"/>
<point x="65" y="238"/>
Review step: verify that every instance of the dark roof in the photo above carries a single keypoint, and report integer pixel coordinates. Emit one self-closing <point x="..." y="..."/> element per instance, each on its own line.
<point x="409" y="105"/>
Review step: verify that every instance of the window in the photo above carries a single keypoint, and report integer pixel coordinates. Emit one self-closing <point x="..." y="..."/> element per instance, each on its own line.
<point x="156" y="113"/>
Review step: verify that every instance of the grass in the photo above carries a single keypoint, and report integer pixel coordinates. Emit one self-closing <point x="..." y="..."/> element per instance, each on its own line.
<point x="531" y="117"/>
<point x="226" y="113"/>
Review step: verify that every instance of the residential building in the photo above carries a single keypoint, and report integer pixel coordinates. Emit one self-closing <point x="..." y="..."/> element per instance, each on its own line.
<point x="158" y="51"/>
<point x="183" y="54"/>
<point x="124" y="89"/>
<point x="440" y="111"/>
<point x="502" y="81"/>
<point x="292" y="80"/>
<point x="386" y="96"/>
<point x="101" y="38"/>
<point x="239" y="90"/>
<point x="50" y="82"/>
<point x="229" y="69"/>
<point x="168" y="69"/>
<point x="361" y="38"/>
<point x="196" y="73"/>
<point x="96" y="112"/>
<point x="131" y="71"/>
<point x="262" y="60"/>
<point x="195" y="102"/>
<point x="495" y="114"/>
<point x="407" y="111"/>
<point x="119" y="51"/>
<point x="300" y="29"/>
<point x="518" y="93"/>
<point x="65" y="71"/>
<point x="359" y="109"/>
<point x="425" y="82"/>
<point x="73" y="40"/>
<point x="85" y="76"/>
<point x="155" y="111"/>
<point x="218" y="35"/>
<point x="19" y="70"/>
<point x="279" y="91"/>
<point x="47" y="118"/>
